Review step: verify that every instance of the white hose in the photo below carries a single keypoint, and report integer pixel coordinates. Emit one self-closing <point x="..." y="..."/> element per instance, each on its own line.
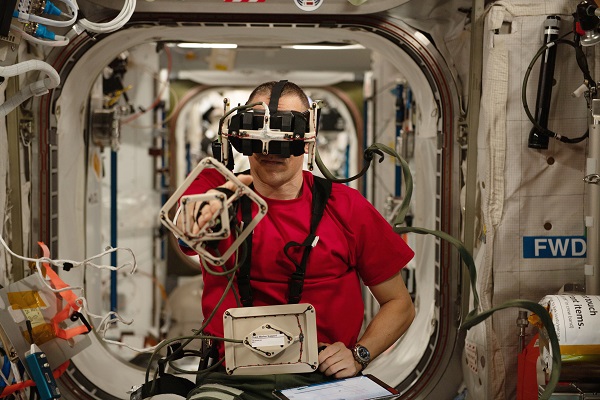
<point x="37" y="88"/>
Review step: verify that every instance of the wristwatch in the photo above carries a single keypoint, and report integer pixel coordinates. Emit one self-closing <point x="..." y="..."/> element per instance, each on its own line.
<point x="361" y="355"/>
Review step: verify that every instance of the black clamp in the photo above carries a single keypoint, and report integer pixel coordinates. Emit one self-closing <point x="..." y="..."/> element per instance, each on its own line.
<point x="369" y="154"/>
<point x="79" y="316"/>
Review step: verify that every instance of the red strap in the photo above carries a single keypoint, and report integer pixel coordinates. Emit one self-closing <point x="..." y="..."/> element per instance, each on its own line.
<point x="68" y="296"/>
<point x="22" y="385"/>
<point x="579" y="29"/>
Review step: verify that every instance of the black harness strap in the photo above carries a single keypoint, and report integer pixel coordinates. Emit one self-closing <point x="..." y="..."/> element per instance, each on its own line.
<point x="243" y="277"/>
<point x="320" y="194"/>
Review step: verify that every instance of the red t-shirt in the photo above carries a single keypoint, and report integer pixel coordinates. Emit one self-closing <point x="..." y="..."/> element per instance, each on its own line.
<point x="354" y="240"/>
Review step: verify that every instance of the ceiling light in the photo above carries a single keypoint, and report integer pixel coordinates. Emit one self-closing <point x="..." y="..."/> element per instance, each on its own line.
<point x="207" y="45"/>
<point x="323" y="47"/>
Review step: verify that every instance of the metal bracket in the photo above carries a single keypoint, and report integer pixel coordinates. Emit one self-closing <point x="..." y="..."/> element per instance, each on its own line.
<point x="277" y="339"/>
<point x="196" y="241"/>
<point x="592" y="178"/>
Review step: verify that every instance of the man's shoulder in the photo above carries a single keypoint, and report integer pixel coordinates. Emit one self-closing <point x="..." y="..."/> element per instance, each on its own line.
<point x="339" y="191"/>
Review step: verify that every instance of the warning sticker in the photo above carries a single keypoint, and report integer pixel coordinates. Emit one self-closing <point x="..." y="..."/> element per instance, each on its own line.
<point x="275" y="339"/>
<point x="28" y="299"/>
<point x="28" y="305"/>
<point x="575" y="317"/>
<point x="471" y="355"/>
<point x="41" y="334"/>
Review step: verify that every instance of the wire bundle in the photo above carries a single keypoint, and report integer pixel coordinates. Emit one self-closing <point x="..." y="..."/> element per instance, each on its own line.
<point x="37" y="88"/>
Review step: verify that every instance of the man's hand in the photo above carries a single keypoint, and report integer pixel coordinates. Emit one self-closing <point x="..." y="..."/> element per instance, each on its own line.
<point x="337" y="360"/>
<point x="201" y="216"/>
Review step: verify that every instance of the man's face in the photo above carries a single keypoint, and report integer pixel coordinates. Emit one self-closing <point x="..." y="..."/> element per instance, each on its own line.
<point x="272" y="169"/>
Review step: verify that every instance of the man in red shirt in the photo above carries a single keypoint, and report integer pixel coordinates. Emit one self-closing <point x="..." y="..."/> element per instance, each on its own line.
<point x="354" y="243"/>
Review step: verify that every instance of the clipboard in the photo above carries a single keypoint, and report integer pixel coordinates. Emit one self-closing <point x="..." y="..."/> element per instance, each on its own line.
<point x="362" y="387"/>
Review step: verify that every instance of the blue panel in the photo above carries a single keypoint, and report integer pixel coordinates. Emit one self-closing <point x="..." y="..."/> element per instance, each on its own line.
<point x="554" y="246"/>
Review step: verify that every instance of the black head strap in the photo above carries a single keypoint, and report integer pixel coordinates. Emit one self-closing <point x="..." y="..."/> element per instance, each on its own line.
<point x="275" y="95"/>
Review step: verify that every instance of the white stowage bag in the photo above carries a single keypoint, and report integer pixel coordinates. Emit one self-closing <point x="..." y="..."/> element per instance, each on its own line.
<point x="576" y="318"/>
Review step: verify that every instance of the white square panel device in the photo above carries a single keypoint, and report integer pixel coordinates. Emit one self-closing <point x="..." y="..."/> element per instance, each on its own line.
<point x="278" y="339"/>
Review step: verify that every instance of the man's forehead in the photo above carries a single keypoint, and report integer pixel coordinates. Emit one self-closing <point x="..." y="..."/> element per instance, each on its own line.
<point x="288" y="102"/>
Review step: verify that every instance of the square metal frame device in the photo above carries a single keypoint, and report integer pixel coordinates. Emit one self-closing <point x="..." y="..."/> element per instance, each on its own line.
<point x="278" y="339"/>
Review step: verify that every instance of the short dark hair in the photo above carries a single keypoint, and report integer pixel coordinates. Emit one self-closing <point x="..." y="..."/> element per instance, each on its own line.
<point x="289" y="89"/>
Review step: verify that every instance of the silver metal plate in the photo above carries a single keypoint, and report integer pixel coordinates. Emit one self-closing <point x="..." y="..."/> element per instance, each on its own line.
<point x="261" y="329"/>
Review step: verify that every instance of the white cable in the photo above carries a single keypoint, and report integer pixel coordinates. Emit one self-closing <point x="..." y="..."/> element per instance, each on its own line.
<point x="138" y="350"/>
<point x="47" y="21"/>
<point x="38" y="88"/>
<point x="61" y="41"/>
<point x="45" y="281"/>
<point x="117" y="23"/>
<point x="111" y="317"/>
<point x="16" y="374"/>
<point x="61" y="263"/>
<point x="31" y="65"/>
<point x="18" y="378"/>
<point x="82" y="303"/>
<point x="87" y="261"/>
<point x="53" y="22"/>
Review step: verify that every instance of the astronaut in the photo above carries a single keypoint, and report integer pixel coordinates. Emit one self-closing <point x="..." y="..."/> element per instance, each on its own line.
<point x="293" y="257"/>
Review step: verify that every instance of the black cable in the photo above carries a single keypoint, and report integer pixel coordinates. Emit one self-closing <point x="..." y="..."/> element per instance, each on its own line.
<point x="199" y="332"/>
<point x="582" y="62"/>
<point x="33" y="393"/>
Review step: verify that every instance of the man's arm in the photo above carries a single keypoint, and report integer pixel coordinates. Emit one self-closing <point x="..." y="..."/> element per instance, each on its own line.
<point x="395" y="315"/>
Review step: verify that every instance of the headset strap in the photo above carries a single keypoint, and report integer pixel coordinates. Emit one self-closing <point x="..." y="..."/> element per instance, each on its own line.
<point x="275" y="95"/>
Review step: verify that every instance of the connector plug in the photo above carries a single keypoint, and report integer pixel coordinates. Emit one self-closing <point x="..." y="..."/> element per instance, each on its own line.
<point x="39" y="369"/>
<point x="51" y="9"/>
<point x="41" y="373"/>
<point x="44" y="33"/>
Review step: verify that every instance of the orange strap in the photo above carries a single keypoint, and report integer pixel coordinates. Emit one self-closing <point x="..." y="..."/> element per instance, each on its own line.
<point x="68" y="296"/>
<point x="22" y="385"/>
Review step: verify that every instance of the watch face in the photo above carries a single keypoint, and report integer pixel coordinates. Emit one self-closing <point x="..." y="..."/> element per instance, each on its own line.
<point x="363" y="353"/>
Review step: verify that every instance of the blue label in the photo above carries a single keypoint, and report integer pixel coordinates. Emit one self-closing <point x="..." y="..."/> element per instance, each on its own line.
<point x="554" y="246"/>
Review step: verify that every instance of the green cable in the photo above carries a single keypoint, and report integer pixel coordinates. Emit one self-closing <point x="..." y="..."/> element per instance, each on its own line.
<point x="379" y="149"/>
<point x="474" y="316"/>
<point x="204" y="325"/>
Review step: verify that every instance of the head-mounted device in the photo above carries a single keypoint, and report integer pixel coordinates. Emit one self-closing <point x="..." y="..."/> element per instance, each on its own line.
<point x="267" y="130"/>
